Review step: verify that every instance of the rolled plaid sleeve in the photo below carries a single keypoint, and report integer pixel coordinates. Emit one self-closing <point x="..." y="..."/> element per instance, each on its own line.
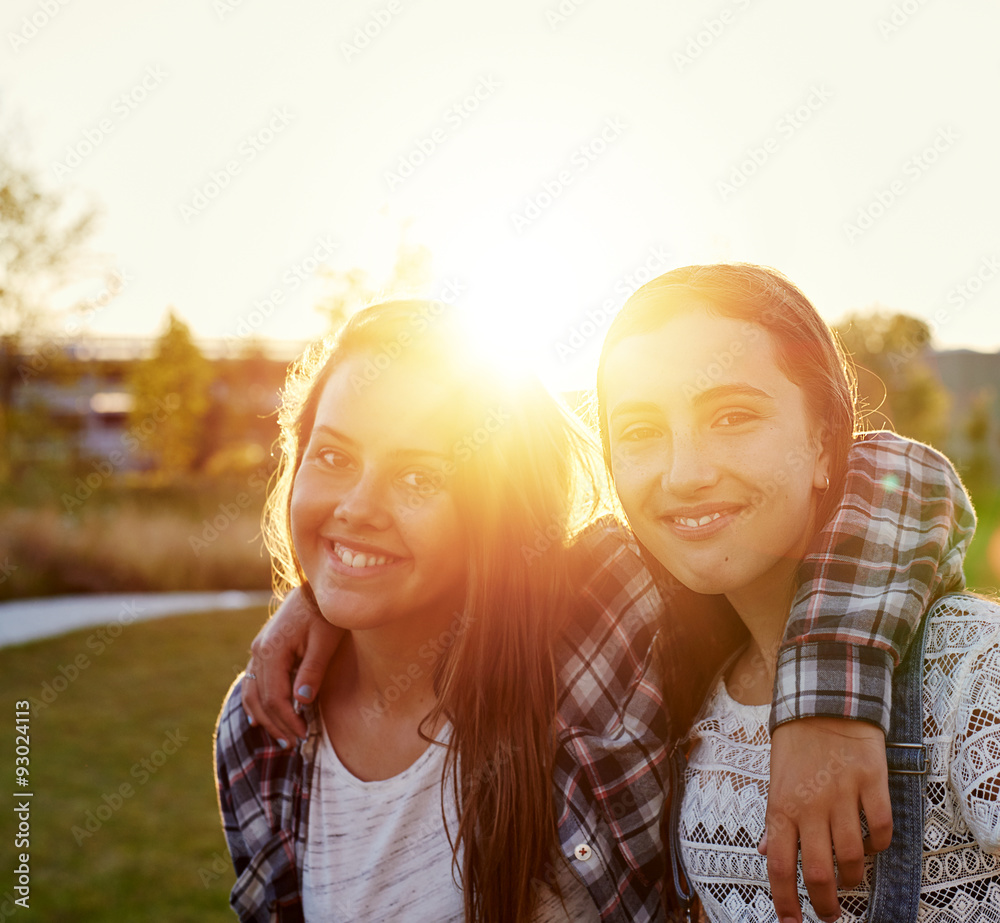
<point x="896" y="543"/>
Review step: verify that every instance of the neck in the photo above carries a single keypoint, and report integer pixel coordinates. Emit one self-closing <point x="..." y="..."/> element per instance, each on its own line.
<point x="386" y="668"/>
<point x="763" y="607"/>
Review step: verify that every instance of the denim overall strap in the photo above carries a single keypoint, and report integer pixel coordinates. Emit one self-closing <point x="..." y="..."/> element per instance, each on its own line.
<point x="895" y="896"/>
<point x="682" y="887"/>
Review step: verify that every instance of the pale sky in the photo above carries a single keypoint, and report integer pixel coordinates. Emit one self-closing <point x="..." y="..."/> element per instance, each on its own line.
<point x="555" y="153"/>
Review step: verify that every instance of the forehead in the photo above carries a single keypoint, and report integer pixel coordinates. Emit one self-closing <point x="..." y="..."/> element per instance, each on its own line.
<point x="399" y="405"/>
<point x="691" y="353"/>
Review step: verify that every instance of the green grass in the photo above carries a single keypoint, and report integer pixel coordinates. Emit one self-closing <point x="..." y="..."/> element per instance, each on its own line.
<point x="982" y="564"/>
<point x="160" y="855"/>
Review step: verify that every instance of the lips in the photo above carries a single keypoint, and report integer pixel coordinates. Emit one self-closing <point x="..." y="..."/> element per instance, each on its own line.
<point x="701" y="521"/>
<point x="359" y="556"/>
<point x="692" y="523"/>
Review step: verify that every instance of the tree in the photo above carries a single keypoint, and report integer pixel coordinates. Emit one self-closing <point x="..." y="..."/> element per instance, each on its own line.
<point x="42" y="242"/>
<point x="977" y="428"/>
<point x="171" y="392"/>
<point x="895" y="382"/>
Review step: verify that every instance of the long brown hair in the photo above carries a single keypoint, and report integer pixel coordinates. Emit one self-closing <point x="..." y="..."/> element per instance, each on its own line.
<point x="522" y="494"/>
<point x="809" y="354"/>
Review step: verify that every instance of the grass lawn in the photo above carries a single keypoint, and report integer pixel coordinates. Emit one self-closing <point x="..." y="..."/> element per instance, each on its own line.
<point x="982" y="564"/>
<point x="124" y="822"/>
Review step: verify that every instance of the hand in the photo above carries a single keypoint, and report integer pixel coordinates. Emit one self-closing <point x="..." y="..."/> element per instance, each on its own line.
<point x="296" y="632"/>
<point x="823" y="770"/>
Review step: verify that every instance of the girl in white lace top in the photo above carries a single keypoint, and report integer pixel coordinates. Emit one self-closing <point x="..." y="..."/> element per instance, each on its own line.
<point x="728" y="411"/>
<point x="722" y="817"/>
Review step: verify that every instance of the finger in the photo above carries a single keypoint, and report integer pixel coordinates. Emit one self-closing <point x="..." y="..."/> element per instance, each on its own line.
<point x="878" y="812"/>
<point x="781" y="838"/>
<point x="321" y="646"/>
<point x="269" y="699"/>
<point x="762" y="845"/>
<point x="848" y="849"/>
<point x="817" y="869"/>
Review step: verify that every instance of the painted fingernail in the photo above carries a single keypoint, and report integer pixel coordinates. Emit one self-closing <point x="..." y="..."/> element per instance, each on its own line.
<point x="305" y="692"/>
<point x="249" y="717"/>
<point x="283" y="743"/>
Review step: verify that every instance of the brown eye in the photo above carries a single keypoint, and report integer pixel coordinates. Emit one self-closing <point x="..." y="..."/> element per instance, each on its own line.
<point x="331" y="458"/>
<point x="734" y="418"/>
<point x="639" y="433"/>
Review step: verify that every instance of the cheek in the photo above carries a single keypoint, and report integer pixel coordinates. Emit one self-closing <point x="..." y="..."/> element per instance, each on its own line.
<point x="302" y="509"/>
<point x="632" y="476"/>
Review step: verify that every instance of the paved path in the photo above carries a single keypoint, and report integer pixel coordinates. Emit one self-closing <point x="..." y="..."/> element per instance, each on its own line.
<point x="30" y="619"/>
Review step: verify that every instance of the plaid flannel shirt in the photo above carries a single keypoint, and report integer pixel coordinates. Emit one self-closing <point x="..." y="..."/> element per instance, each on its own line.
<point x="610" y="774"/>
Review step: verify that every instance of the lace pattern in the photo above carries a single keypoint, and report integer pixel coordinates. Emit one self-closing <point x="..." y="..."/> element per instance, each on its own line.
<point x="722" y="817"/>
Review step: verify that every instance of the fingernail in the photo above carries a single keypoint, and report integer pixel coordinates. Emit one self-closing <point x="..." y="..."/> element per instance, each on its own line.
<point x="283" y="743"/>
<point x="249" y="717"/>
<point x="305" y="692"/>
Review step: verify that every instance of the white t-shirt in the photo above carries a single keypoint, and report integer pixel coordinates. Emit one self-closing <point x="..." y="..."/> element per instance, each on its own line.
<point x="378" y="850"/>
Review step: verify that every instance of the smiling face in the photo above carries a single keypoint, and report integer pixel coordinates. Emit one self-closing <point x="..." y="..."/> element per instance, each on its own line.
<point x="714" y="457"/>
<point x="375" y="527"/>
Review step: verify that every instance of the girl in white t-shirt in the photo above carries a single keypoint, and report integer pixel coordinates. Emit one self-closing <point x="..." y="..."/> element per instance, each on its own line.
<point x="412" y="479"/>
<point x="727" y="413"/>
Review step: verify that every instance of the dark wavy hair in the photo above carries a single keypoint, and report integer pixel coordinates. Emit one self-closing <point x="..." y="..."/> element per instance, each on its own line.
<point x="809" y="354"/>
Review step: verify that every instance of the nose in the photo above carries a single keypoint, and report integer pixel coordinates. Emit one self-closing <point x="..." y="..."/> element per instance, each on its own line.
<point x="689" y="466"/>
<point x="363" y="503"/>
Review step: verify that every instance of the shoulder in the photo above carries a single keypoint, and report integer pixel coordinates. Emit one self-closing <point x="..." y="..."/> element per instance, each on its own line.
<point x="610" y="575"/>
<point x="616" y="607"/>
<point x="962" y="623"/>
<point x="606" y="651"/>
<point x="244" y="753"/>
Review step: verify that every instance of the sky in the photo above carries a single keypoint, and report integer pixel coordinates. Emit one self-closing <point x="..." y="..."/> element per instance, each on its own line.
<point x="551" y="155"/>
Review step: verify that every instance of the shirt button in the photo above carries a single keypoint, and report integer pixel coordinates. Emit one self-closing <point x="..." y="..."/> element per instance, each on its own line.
<point x="583" y="852"/>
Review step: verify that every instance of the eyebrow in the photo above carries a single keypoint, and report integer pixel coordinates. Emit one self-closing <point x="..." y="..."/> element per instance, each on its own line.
<point x="396" y="453"/>
<point x="738" y="389"/>
<point x="719" y="392"/>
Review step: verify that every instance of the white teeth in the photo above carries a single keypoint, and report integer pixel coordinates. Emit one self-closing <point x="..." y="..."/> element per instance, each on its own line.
<point x="359" y="559"/>
<point x="694" y="523"/>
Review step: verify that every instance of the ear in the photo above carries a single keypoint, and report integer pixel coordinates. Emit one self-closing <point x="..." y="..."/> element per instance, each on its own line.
<point x="823" y="465"/>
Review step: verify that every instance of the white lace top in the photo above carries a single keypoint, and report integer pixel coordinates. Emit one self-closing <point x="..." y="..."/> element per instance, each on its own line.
<point x="722" y="814"/>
